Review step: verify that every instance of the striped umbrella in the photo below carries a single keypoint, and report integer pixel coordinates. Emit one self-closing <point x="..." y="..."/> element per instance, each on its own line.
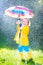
<point x="19" y="12"/>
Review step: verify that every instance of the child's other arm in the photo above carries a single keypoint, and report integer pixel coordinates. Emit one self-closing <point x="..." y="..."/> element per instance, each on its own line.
<point x="29" y="23"/>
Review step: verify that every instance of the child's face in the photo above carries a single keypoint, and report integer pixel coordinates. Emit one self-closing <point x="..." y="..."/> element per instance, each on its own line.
<point x="25" y="21"/>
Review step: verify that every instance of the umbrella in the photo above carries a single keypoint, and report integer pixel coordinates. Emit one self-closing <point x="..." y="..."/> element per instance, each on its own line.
<point x="19" y="12"/>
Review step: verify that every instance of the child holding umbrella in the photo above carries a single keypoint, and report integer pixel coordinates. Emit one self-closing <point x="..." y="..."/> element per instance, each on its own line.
<point x="22" y="39"/>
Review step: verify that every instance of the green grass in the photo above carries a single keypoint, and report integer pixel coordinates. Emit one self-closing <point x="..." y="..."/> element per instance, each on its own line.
<point x="11" y="57"/>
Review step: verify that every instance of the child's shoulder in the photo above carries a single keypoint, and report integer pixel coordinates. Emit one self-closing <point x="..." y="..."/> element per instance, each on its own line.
<point x="26" y="27"/>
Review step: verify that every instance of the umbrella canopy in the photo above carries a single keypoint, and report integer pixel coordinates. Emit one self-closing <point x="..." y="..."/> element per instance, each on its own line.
<point x="19" y="12"/>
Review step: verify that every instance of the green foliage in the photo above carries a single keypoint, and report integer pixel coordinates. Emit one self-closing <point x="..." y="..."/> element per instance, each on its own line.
<point x="11" y="57"/>
<point x="8" y="24"/>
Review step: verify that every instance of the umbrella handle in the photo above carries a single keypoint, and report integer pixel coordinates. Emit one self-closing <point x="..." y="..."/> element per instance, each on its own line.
<point x="18" y="19"/>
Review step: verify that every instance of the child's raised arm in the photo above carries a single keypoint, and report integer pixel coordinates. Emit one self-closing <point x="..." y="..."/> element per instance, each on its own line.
<point x="18" y="22"/>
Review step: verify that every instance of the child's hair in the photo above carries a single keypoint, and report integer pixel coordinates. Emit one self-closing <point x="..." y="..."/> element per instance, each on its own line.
<point x="27" y="20"/>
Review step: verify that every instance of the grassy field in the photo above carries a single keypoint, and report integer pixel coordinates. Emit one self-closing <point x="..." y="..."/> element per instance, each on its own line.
<point x="10" y="57"/>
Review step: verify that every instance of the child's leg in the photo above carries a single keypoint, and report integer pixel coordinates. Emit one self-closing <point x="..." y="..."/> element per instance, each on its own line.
<point x="20" y="48"/>
<point x="29" y="55"/>
<point x="21" y="55"/>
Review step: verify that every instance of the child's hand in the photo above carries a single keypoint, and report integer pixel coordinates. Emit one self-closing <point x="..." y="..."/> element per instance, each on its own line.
<point x="18" y="22"/>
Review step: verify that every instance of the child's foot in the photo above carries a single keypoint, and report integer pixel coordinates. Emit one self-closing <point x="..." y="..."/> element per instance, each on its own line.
<point x="23" y="60"/>
<point x="31" y="62"/>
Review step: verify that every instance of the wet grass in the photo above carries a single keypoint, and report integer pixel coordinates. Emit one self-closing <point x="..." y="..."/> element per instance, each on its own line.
<point x="11" y="57"/>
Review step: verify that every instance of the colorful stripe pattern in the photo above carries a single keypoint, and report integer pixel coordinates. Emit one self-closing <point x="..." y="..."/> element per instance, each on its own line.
<point x="19" y="11"/>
